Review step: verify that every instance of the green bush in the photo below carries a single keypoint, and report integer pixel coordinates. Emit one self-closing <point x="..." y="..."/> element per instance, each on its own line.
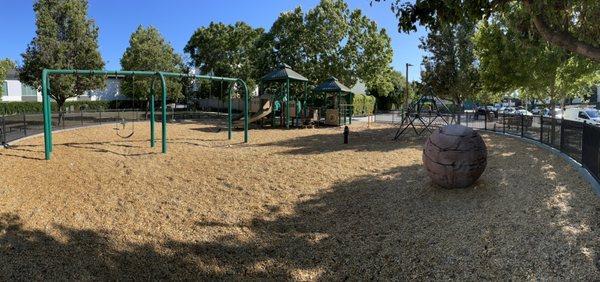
<point x="363" y="105"/>
<point x="36" y="107"/>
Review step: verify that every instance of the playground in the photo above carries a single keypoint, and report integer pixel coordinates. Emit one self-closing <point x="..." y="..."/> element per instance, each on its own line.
<point x="292" y="204"/>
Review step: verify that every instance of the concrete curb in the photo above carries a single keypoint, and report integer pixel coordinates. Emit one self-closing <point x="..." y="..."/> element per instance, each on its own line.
<point x="575" y="164"/>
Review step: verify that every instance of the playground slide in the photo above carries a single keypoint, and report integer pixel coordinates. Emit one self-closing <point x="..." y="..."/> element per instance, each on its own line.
<point x="266" y="109"/>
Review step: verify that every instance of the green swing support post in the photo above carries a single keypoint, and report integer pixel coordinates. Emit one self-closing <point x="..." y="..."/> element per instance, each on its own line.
<point x="152" y="115"/>
<point x="287" y="103"/>
<point x="47" y="109"/>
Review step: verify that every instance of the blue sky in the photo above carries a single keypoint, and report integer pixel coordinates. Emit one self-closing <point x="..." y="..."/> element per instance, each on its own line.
<point x="177" y="20"/>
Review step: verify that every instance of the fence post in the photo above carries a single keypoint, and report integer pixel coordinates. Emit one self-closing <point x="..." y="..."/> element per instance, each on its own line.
<point x="4" y="128"/>
<point x="541" y="129"/>
<point x="24" y="124"/>
<point x="522" y="125"/>
<point x="485" y="120"/>
<point x="562" y="137"/>
<point x="503" y="123"/>
<point x="81" y="116"/>
<point x="100" y="115"/>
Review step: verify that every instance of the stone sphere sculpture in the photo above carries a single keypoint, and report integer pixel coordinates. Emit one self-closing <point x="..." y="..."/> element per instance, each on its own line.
<point x="455" y="156"/>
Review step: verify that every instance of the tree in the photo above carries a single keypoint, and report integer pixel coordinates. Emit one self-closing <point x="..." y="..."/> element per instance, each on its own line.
<point x="225" y="50"/>
<point x="5" y="66"/>
<point x="570" y="25"/>
<point x="450" y="66"/>
<point x="65" y="39"/>
<point x="330" y="40"/>
<point x="148" y="50"/>
<point x="513" y="58"/>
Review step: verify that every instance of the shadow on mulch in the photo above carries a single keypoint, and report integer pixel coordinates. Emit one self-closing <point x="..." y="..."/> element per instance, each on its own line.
<point x="392" y="225"/>
<point x="367" y="140"/>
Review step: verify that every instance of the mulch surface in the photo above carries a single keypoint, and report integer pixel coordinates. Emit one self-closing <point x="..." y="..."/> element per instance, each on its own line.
<point x="291" y="204"/>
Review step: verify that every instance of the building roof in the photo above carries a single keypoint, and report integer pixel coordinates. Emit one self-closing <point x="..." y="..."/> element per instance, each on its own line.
<point x="332" y="85"/>
<point x="283" y="72"/>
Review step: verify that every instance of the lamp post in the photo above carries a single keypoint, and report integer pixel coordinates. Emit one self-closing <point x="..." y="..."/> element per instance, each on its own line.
<point x="406" y="92"/>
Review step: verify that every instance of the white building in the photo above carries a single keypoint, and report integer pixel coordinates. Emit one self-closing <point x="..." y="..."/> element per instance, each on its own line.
<point x="15" y="91"/>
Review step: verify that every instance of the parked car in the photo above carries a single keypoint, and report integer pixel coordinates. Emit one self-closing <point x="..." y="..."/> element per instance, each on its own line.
<point x="523" y="112"/>
<point x="558" y="113"/>
<point x="536" y="111"/>
<point x="588" y="115"/>
<point x="509" y="111"/>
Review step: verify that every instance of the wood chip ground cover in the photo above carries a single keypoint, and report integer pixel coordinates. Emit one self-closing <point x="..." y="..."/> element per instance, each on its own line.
<point x="291" y="204"/>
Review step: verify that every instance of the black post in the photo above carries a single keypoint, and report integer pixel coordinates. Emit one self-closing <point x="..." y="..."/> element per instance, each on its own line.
<point x="4" y="129"/>
<point x="562" y="137"/>
<point x="541" y="129"/>
<point x="522" y="125"/>
<point x="503" y="123"/>
<point x="81" y="116"/>
<point x="346" y="133"/>
<point x="100" y="115"/>
<point x="485" y="120"/>
<point x="24" y="124"/>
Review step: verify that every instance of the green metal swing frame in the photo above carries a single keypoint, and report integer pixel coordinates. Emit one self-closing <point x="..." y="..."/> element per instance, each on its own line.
<point x="46" y="73"/>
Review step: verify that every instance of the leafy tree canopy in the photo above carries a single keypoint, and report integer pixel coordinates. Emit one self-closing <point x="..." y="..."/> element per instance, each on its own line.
<point x="513" y="57"/>
<point x="65" y="39"/>
<point x="148" y="50"/>
<point x="570" y="25"/>
<point x="5" y="66"/>
<point x="226" y="50"/>
<point x="450" y="67"/>
<point x="330" y="40"/>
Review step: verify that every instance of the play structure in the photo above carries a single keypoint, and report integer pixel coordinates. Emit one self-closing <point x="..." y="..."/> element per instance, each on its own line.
<point x="338" y="102"/>
<point x="234" y="84"/>
<point x="427" y="112"/>
<point x="455" y="156"/>
<point x="285" y="99"/>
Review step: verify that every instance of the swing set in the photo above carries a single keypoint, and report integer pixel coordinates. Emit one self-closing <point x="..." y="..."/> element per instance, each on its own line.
<point x="234" y="83"/>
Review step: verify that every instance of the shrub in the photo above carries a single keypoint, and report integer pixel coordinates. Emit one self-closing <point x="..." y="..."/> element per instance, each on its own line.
<point x="36" y="107"/>
<point x="363" y="104"/>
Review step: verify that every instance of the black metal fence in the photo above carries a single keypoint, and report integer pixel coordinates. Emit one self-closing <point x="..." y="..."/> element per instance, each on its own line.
<point x="578" y="140"/>
<point x="16" y="126"/>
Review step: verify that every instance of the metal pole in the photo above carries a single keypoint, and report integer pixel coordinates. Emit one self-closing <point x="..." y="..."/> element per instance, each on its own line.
<point x="246" y="109"/>
<point x="81" y="116"/>
<point x="100" y="115"/>
<point x="541" y="129"/>
<point x="24" y="124"/>
<point x="522" y="125"/>
<point x="47" y="130"/>
<point x="229" y="113"/>
<point x="287" y="103"/>
<point x="152" y="116"/>
<point x="164" y="112"/>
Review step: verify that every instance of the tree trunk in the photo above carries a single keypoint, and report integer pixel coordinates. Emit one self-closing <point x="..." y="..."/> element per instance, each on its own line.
<point x="562" y="38"/>
<point x="61" y="111"/>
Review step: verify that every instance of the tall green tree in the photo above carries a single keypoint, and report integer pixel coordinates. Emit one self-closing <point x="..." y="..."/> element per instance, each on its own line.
<point x="65" y="39"/>
<point x="514" y="58"/>
<point x="570" y="25"/>
<point x="148" y="50"/>
<point x="5" y="66"/>
<point x="330" y="40"/>
<point x="450" y="66"/>
<point x="225" y="50"/>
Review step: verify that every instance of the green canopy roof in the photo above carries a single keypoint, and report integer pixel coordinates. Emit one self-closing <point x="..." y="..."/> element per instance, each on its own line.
<point x="282" y="73"/>
<point x="332" y="85"/>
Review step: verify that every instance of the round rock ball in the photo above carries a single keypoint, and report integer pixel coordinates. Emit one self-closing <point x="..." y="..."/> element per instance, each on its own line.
<point x="455" y="156"/>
